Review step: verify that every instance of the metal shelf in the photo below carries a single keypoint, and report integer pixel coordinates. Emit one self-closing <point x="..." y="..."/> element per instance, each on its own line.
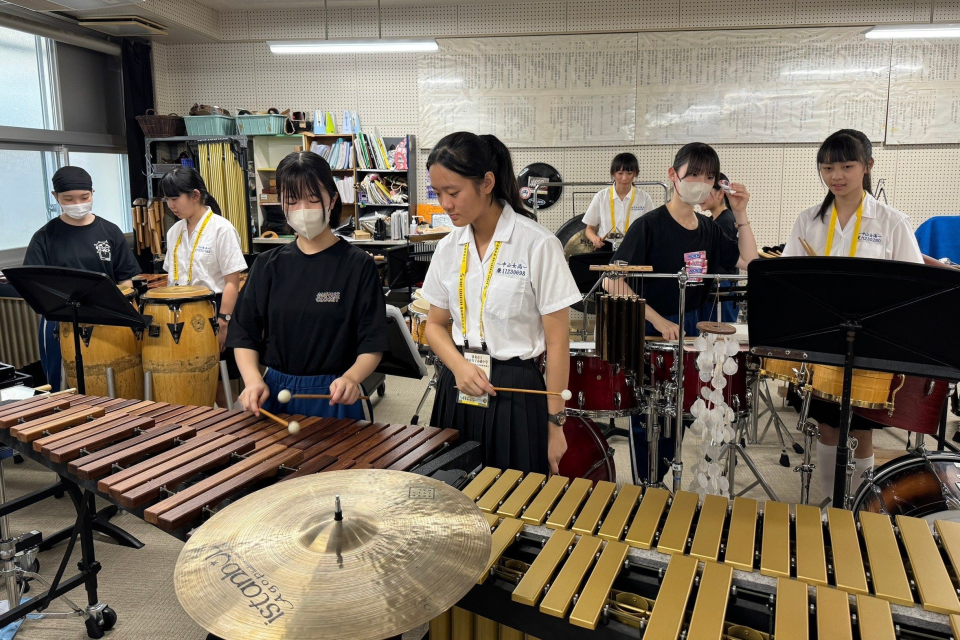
<point x="383" y="171"/>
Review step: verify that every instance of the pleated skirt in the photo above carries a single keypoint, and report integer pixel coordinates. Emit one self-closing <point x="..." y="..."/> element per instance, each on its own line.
<point x="513" y="430"/>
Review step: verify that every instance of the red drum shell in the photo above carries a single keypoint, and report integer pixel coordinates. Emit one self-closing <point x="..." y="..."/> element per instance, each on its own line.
<point x="660" y="372"/>
<point x="599" y="386"/>
<point x="588" y="454"/>
<point x="914" y="409"/>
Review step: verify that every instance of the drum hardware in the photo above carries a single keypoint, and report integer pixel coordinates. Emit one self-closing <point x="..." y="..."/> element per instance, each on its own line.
<point x="811" y="433"/>
<point x="734" y="450"/>
<point x="762" y="394"/>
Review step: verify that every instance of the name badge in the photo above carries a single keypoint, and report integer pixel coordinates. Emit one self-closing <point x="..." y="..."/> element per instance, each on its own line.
<point x="482" y="360"/>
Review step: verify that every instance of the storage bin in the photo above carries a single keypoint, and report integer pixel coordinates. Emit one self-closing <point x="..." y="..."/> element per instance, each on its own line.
<point x="210" y="125"/>
<point x="155" y="126"/>
<point x="262" y="125"/>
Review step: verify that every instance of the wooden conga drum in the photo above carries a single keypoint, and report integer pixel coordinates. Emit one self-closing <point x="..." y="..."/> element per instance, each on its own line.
<point x="870" y="389"/>
<point x="103" y="348"/>
<point x="180" y="348"/>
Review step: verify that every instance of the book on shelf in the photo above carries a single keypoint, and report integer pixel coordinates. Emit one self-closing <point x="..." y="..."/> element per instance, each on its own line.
<point x="338" y="155"/>
<point x="372" y="151"/>
<point x="345" y="187"/>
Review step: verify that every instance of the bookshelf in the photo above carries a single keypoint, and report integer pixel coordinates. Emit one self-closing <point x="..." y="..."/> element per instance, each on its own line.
<point x="268" y="151"/>
<point x="349" y="208"/>
<point x="410" y="173"/>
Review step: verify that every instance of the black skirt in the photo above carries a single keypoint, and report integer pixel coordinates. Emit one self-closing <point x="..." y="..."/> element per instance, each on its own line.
<point x="513" y="430"/>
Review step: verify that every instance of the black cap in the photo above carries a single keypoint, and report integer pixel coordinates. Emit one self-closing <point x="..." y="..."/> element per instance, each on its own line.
<point x="72" y="179"/>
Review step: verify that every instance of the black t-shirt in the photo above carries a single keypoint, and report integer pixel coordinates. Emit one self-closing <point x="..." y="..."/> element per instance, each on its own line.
<point x="309" y="315"/>
<point x="657" y="240"/>
<point x="728" y="224"/>
<point x="98" y="246"/>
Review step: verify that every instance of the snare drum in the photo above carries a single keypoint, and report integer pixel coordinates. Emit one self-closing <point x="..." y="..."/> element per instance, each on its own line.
<point x="921" y="487"/>
<point x="870" y="389"/>
<point x="599" y="388"/>
<point x="662" y="358"/>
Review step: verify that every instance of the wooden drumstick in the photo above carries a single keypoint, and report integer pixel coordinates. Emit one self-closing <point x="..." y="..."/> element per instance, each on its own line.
<point x="808" y="248"/>
<point x="44" y="388"/>
<point x="565" y="394"/>
<point x="285" y="396"/>
<point x="292" y="426"/>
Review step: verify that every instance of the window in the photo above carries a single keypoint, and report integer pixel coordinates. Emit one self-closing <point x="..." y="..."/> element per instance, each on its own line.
<point x="26" y="63"/>
<point x="24" y="181"/>
<point x="111" y="198"/>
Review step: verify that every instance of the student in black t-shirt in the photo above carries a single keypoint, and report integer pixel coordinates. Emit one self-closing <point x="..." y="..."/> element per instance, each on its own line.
<point x="312" y="311"/>
<point x="670" y="237"/>
<point x="77" y="239"/>
<point x="717" y="206"/>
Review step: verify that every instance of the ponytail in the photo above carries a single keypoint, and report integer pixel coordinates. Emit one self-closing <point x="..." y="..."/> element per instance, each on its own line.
<point x="846" y="145"/>
<point x="473" y="156"/>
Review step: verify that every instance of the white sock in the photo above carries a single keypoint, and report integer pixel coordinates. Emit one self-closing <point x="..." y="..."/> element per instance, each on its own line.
<point x="862" y="465"/>
<point x="827" y="466"/>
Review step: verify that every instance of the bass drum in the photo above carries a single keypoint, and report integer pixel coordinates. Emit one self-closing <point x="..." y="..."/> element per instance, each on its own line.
<point x="588" y="454"/>
<point x="913" y="486"/>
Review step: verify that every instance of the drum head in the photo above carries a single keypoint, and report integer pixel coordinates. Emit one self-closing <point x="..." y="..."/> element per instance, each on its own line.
<point x="533" y="175"/>
<point x="914" y="486"/>
<point x="176" y="293"/>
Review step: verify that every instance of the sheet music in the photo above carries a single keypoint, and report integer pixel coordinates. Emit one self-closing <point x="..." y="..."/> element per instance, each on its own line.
<point x="539" y="91"/>
<point x="924" y="93"/>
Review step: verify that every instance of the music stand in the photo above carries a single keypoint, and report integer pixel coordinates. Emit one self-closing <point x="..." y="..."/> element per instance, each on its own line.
<point x="854" y="313"/>
<point x="76" y="296"/>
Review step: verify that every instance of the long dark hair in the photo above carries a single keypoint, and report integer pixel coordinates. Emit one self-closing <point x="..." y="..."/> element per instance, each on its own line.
<point x="701" y="159"/>
<point x="625" y="162"/>
<point x="185" y="180"/>
<point x="305" y="174"/>
<point x="846" y="145"/>
<point x="472" y="156"/>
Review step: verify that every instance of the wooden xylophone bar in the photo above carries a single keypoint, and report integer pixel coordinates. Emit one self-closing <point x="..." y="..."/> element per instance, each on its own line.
<point x="905" y="564"/>
<point x="172" y="464"/>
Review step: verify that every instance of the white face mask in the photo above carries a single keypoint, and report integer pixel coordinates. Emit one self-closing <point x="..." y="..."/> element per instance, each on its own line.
<point x="77" y="211"/>
<point x="693" y="192"/>
<point x="308" y="223"/>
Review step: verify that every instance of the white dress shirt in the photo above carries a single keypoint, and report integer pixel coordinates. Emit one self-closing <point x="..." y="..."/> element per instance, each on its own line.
<point x="598" y="213"/>
<point x="530" y="279"/>
<point x="218" y="253"/>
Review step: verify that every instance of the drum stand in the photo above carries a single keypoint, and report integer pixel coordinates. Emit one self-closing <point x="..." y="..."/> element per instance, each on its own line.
<point x="760" y="392"/>
<point x="733" y="450"/>
<point x="811" y="433"/>
<point x="430" y="359"/>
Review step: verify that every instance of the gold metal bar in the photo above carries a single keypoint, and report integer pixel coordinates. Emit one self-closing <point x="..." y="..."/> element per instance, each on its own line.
<point x="513" y="506"/>
<point x="440" y="626"/>
<point x="711" y="607"/>
<point x="791" y="621"/>
<point x="481" y="482"/>
<point x="558" y="598"/>
<point x="569" y="503"/>
<point x="486" y="629"/>
<point x="671" y="603"/>
<point x="706" y="542"/>
<point x="955" y="625"/>
<point x="811" y="557"/>
<point x="933" y="582"/>
<point x="886" y="565"/>
<point x="845" y="547"/>
<point x="874" y="617"/>
<point x="949" y="533"/>
<point x="503" y="537"/>
<point x="647" y="520"/>
<point x="507" y="633"/>
<point x="593" y="597"/>
<point x="495" y="495"/>
<point x="536" y="513"/>
<point x="775" y="549"/>
<point x="545" y="565"/>
<point x="741" y="537"/>
<point x="615" y="523"/>
<point x="462" y="625"/>
<point x="833" y="614"/>
<point x="586" y="523"/>
<point x="673" y="539"/>
<point x="492" y="519"/>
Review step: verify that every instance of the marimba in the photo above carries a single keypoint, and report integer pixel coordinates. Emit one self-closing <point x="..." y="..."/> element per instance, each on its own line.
<point x="671" y="565"/>
<point x="172" y="464"/>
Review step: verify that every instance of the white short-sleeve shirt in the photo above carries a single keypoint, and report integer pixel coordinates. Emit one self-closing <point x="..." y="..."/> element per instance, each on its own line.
<point x="885" y="234"/>
<point x="530" y="279"/>
<point x="598" y="213"/>
<point x="218" y="253"/>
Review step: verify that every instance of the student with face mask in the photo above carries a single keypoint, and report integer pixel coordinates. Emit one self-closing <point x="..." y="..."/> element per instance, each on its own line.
<point x="503" y="280"/>
<point x="78" y="239"/>
<point x="311" y="311"/>
<point x="613" y="209"/>
<point x="203" y="249"/>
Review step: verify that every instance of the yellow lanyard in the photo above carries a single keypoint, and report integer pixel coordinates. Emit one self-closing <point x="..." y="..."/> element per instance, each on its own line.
<point x="483" y="294"/>
<point x="176" y="251"/>
<point x="856" y="229"/>
<point x="613" y="219"/>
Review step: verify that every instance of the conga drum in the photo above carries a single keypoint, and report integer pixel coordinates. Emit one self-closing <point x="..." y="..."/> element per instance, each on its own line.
<point x="103" y="348"/>
<point x="180" y="347"/>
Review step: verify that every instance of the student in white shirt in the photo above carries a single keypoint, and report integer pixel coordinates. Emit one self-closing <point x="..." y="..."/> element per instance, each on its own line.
<point x="607" y="216"/>
<point x="203" y="248"/>
<point x="503" y="279"/>
<point x="849" y="222"/>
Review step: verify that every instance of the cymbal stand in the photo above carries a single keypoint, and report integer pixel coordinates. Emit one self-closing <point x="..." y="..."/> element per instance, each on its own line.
<point x="811" y="433"/>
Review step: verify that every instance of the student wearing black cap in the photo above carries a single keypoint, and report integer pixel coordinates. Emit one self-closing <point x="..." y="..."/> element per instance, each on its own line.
<point x="76" y="239"/>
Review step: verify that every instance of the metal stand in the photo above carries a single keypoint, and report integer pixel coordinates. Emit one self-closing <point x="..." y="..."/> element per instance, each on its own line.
<point x="431" y="386"/>
<point x="225" y="380"/>
<point x="811" y="433"/>
<point x="761" y="393"/>
<point x="734" y="450"/>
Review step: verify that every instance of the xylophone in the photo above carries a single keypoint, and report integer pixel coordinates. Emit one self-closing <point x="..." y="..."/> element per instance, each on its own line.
<point x="172" y="464"/>
<point x="596" y="558"/>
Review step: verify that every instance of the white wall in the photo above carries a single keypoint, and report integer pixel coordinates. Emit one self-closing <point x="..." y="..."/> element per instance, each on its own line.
<point x="782" y="177"/>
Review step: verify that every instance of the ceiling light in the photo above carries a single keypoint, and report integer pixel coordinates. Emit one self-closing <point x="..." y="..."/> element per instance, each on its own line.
<point x="385" y="45"/>
<point x="915" y="31"/>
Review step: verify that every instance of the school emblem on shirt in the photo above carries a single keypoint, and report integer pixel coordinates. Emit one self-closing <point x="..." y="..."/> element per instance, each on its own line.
<point x="197" y="323"/>
<point x="103" y="250"/>
<point x="328" y="296"/>
<point x="511" y="269"/>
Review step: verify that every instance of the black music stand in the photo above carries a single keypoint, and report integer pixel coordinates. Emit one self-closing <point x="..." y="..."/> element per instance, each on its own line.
<point x="76" y="296"/>
<point x="854" y="313"/>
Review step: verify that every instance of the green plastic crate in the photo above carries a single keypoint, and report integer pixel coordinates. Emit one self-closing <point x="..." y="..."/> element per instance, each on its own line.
<point x="210" y="125"/>
<point x="262" y="125"/>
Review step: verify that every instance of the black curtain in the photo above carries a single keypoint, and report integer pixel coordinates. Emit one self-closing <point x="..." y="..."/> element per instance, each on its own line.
<point x="137" y="98"/>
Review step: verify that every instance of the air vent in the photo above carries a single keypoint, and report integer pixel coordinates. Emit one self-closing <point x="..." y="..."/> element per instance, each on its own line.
<point x="124" y="26"/>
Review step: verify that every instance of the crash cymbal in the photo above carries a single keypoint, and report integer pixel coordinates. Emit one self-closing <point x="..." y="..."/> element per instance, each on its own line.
<point x="279" y="564"/>
<point x="578" y="244"/>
